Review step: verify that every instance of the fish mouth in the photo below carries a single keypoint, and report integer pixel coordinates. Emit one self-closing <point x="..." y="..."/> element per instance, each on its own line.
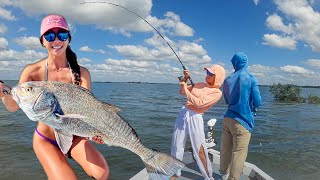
<point x="14" y="94"/>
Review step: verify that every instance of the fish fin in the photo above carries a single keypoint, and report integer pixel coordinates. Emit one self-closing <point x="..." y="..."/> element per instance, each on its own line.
<point x="161" y="165"/>
<point x="112" y="107"/>
<point x="64" y="140"/>
<point x="74" y="116"/>
<point x="84" y="89"/>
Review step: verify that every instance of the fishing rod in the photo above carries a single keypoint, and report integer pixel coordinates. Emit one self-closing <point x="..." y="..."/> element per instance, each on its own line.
<point x="117" y="5"/>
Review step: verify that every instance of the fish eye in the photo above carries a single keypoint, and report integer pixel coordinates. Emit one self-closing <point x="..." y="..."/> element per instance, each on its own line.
<point x="29" y="89"/>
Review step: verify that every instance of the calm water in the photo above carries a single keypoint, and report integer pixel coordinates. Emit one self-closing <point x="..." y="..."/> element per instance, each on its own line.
<point x="285" y="142"/>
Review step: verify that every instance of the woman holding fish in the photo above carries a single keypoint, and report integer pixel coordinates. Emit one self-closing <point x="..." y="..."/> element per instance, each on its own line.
<point x="60" y="65"/>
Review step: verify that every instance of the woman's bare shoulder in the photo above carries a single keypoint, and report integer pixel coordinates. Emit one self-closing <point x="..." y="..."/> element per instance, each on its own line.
<point x="83" y="69"/>
<point x="32" y="72"/>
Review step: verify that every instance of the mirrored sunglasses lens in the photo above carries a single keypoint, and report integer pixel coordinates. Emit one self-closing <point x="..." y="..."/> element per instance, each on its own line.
<point x="63" y="36"/>
<point x="50" y="37"/>
<point x="209" y="73"/>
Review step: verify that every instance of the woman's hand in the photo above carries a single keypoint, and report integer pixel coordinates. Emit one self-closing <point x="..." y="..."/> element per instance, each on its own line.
<point x="186" y="74"/>
<point x="4" y="89"/>
<point x="97" y="139"/>
<point x="182" y="84"/>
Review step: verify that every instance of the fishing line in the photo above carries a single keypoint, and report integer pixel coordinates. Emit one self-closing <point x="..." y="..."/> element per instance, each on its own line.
<point x="117" y="5"/>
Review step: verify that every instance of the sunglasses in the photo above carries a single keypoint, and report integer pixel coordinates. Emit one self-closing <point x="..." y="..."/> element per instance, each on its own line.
<point x="51" y="36"/>
<point x="209" y="73"/>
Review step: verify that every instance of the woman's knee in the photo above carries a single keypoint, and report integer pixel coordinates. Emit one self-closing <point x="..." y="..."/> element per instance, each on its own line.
<point x="100" y="173"/>
<point x="91" y="160"/>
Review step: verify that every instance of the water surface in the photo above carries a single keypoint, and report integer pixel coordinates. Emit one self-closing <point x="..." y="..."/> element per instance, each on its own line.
<point x="285" y="142"/>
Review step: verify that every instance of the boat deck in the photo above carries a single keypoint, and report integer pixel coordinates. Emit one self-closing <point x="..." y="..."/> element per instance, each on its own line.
<point x="192" y="172"/>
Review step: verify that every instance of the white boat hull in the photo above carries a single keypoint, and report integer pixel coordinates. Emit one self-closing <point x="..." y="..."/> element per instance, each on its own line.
<point x="192" y="172"/>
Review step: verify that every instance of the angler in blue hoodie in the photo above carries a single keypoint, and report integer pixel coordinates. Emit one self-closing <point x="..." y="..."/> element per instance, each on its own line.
<point x="242" y="95"/>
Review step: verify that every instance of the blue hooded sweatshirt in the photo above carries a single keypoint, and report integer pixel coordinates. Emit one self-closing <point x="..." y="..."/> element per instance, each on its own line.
<point x="241" y="92"/>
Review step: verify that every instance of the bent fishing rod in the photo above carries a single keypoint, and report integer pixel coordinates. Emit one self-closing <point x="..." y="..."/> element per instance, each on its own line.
<point x="117" y="5"/>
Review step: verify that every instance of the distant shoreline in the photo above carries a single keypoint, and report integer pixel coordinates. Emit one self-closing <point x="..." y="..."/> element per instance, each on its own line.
<point x="139" y="82"/>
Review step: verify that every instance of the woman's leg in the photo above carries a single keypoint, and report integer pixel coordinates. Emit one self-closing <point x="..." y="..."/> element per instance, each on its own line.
<point x="52" y="160"/>
<point x="197" y="138"/>
<point x="179" y="138"/>
<point x="89" y="158"/>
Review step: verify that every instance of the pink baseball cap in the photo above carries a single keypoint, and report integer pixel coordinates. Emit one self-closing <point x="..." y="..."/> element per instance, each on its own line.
<point x="53" y="21"/>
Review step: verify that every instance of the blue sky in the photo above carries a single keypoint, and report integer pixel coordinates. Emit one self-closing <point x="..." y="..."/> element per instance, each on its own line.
<point x="280" y="37"/>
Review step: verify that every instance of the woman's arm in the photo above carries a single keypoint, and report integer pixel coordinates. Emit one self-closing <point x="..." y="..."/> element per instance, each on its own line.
<point x="85" y="78"/>
<point x="208" y="100"/>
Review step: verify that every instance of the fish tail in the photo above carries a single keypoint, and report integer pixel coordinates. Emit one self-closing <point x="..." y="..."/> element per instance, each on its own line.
<point x="161" y="166"/>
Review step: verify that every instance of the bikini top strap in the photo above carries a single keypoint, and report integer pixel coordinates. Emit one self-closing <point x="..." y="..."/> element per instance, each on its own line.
<point x="46" y="71"/>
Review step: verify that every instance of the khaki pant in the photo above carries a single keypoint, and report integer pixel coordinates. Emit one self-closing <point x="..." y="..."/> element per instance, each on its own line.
<point x="234" y="148"/>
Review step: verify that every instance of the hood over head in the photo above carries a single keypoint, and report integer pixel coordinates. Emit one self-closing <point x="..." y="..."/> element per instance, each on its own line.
<point x="239" y="61"/>
<point x="219" y="72"/>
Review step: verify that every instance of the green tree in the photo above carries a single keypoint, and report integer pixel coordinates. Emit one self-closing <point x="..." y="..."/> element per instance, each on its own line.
<point x="286" y="92"/>
<point x="313" y="99"/>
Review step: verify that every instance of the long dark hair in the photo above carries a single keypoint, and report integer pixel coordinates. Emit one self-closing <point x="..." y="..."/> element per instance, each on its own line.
<point x="72" y="60"/>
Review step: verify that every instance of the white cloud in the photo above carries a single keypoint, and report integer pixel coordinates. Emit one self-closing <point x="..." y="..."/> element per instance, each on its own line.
<point x="191" y="48"/>
<point x="275" y="22"/>
<point x="100" y="14"/>
<point x="131" y="64"/>
<point x="5" y="14"/>
<point x="256" y="2"/>
<point x="296" y="70"/>
<point x="22" y="29"/>
<point x="84" y="60"/>
<point x="3" y="28"/>
<point x="130" y="70"/>
<point x="280" y="42"/>
<point x="315" y="63"/>
<point x="85" y="49"/>
<point x="28" y="42"/>
<point x="130" y="50"/>
<point x="95" y="13"/>
<point x="258" y="68"/>
<point x="190" y="53"/>
<point x="3" y="43"/>
<point x="179" y="28"/>
<point x="6" y="2"/>
<point x="303" y="22"/>
<point x="21" y="57"/>
<point x="262" y="72"/>
<point x="267" y="75"/>
<point x="101" y="51"/>
<point x="88" y="49"/>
